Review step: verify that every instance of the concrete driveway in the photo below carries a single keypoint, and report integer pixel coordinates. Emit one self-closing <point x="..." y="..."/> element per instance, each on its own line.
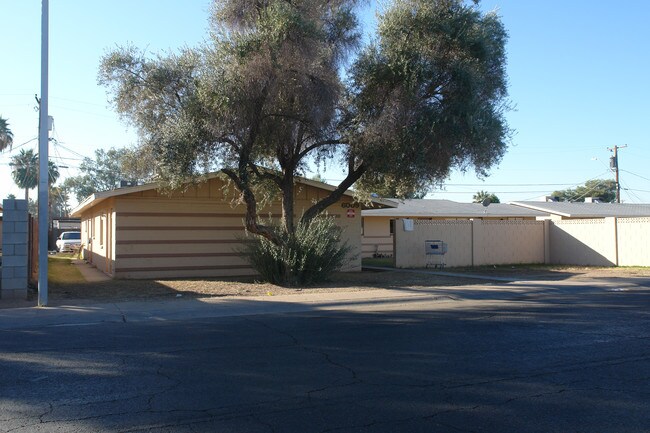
<point x="525" y="357"/>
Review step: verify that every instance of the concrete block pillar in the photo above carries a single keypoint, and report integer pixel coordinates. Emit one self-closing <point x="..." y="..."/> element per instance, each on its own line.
<point x="15" y="236"/>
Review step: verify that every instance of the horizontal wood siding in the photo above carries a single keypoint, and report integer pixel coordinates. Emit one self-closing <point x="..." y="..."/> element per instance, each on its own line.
<point x="199" y="233"/>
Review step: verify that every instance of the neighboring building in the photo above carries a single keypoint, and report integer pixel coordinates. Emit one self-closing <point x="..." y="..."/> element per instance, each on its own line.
<point x="141" y="232"/>
<point x="379" y="224"/>
<point x="567" y="210"/>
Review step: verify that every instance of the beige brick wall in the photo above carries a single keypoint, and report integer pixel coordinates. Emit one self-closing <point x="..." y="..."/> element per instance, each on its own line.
<point x="471" y="242"/>
<point x="508" y="242"/>
<point x="634" y="241"/>
<point x="588" y="242"/>
<point x="409" y="246"/>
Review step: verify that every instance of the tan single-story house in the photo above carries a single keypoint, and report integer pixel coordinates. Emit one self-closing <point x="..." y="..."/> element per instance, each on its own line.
<point x="378" y="225"/>
<point x="142" y="232"/>
<point x="564" y="210"/>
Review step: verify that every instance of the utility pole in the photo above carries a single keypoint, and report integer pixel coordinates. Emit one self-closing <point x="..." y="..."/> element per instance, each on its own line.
<point x="43" y="156"/>
<point x="613" y="164"/>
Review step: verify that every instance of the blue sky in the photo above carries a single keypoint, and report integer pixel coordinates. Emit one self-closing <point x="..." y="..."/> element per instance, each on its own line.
<point x="578" y="73"/>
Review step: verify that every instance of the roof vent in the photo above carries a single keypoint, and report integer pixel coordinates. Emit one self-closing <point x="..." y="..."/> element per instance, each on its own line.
<point x="126" y="183"/>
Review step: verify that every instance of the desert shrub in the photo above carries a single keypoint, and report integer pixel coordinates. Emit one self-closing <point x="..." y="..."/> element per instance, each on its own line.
<point x="308" y="256"/>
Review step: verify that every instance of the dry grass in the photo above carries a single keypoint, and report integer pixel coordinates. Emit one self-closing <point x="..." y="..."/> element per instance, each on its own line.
<point x="66" y="282"/>
<point x="212" y="287"/>
<point x="61" y="271"/>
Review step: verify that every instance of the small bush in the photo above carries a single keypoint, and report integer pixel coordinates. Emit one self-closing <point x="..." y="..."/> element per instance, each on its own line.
<point x="310" y="255"/>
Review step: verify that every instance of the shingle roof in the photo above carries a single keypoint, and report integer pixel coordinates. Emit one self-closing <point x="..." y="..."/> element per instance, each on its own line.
<point x="452" y="209"/>
<point x="587" y="210"/>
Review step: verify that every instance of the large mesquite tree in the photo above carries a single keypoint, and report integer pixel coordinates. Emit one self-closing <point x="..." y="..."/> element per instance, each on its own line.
<point x="285" y="83"/>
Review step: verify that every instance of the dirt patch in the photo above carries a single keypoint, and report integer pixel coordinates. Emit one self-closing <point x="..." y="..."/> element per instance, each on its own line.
<point x="124" y="290"/>
<point x="554" y="272"/>
<point x="121" y="290"/>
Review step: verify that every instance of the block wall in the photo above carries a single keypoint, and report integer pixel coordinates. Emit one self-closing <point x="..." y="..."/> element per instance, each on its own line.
<point x="15" y="236"/>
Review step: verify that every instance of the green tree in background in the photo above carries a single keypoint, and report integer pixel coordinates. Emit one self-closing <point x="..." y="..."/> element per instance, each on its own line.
<point x="59" y="202"/>
<point x="603" y="189"/>
<point x="6" y="136"/>
<point x="265" y="98"/>
<point x="108" y="168"/>
<point x="24" y="170"/>
<point x="390" y="189"/>
<point x="481" y="196"/>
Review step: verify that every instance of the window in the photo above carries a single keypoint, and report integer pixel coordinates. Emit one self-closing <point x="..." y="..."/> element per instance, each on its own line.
<point x="101" y="231"/>
<point x="392" y="227"/>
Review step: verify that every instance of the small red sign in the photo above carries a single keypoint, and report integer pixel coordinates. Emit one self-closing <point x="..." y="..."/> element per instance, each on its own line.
<point x="351" y="213"/>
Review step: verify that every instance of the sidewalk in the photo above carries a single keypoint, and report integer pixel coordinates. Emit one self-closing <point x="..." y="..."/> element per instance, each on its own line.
<point x="89" y="272"/>
<point x="194" y="308"/>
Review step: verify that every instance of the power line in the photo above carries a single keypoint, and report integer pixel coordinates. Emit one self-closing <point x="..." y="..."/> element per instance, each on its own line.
<point x="634" y="174"/>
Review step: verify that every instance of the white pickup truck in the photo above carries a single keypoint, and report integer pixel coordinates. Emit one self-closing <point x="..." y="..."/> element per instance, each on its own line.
<point x="68" y="241"/>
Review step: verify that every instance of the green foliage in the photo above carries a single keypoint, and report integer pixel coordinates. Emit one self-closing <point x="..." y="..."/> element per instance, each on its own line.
<point x="481" y="196"/>
<point x="6" y="136"/>
<point x="265" y="97"/>
<point x="59" y="202"/>
<point x="430" y="93"/>
<point x="108" y="168"/>
<point x="24" y="170"/>
<point x="307" y="256"/>
<point x="603" y="189"/>
<point x="390" y="188"/>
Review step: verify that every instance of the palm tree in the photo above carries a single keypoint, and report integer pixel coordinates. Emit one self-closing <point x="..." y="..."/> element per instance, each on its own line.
<point x="6" y="136"/>
<point x="481" y="196"/>
<point x="53" y="173"/>
<point x="25" y="170"/>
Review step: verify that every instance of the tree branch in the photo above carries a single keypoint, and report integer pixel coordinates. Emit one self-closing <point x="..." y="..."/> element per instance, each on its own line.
<point x="265" y="174"/>
<point x="251" y="208"/>
<point x="316" y="145"/>
<point x="320" y="206"/>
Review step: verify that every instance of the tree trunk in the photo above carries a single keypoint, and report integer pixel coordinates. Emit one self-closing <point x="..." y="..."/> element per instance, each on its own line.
<point x="287" y="203"/>
<point x="251" y="208"/>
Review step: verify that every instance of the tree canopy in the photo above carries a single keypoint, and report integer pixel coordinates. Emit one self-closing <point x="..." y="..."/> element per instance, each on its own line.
<point x="6" y="136"/>
<point x="108" y="168"/>
<point x="282" y="85"/>
<point x="481" y="196"/>
<point x="603" y="189"/>
<point x="24" y="170"/>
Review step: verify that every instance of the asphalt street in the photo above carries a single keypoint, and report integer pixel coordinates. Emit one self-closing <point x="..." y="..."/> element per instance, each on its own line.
<point x="529" y="357"/>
